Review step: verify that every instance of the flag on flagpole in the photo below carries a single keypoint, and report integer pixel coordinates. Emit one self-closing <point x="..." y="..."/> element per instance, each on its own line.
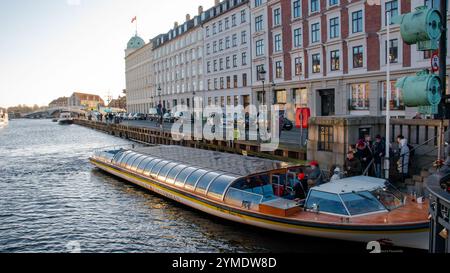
<point x="134" y="19"/>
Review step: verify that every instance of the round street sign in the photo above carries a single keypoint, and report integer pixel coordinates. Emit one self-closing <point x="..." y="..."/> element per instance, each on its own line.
<point x="435" y="62"/>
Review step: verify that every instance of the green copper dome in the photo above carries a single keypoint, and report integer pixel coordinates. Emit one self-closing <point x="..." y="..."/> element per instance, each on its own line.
<point x="135" y="42"/>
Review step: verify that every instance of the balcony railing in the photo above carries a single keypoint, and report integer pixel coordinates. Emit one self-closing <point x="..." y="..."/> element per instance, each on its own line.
<point x="396" y="105"/>
<point x="358" y="104"/>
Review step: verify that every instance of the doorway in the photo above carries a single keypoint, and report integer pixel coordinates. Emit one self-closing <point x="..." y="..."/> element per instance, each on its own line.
<point x="327" y="98"/>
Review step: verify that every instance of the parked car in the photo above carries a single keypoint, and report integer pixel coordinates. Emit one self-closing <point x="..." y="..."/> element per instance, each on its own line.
<point x="139" y="116"/>
<point x="169" y="117"/>
<point x="185" y="116"/>
<point x="153" y="114"/>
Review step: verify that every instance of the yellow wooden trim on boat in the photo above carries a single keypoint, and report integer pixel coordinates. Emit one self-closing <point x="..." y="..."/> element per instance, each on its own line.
<point x="250" y="217"/>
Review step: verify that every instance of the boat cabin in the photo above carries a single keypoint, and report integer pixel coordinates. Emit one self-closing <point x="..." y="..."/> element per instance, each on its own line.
<point x="355" y="196"/>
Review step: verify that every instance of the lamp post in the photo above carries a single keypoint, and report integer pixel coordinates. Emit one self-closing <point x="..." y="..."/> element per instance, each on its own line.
<point x="160" y="107"/>
<point x="388" y="95"/>
<point x="262" y="77"/>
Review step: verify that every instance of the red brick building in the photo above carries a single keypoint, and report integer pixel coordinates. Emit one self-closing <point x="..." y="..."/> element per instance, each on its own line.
<point x="330" y="55"/>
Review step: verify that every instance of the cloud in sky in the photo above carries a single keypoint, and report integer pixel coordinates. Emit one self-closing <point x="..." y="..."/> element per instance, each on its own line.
<point x="51" y="48"/>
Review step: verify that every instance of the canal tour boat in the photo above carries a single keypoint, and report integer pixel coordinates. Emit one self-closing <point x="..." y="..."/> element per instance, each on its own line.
<point x="258" y="192"/>
<point x="65" y="119"/>
<point x="4" y="120"/>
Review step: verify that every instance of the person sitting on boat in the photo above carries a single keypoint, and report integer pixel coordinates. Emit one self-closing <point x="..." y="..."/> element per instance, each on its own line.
<point x="315" y="178"/>
<point x="352" y="166"/>
<point x="301" y="188"/>
<point x="337" y="175"/>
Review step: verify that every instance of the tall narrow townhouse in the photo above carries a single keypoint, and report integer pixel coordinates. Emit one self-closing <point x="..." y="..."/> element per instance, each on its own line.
<point x="227" y="47"/>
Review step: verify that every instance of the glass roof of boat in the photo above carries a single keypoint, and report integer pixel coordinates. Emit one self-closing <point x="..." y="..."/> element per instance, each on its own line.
<point x="235" y="165"/>
<point x="352" y="184"/>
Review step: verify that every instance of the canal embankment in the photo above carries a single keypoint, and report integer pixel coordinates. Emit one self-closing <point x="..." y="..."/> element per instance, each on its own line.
<point x="152" y="136"/>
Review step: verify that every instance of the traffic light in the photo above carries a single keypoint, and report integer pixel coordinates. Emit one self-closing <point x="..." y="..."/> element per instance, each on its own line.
<point x="422" y="27"/>
<point x="424" y="89"/>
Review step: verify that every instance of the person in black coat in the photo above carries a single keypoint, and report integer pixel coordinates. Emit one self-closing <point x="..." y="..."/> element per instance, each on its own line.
<point x="364" y="154"/>
<point x="379" y="152"/>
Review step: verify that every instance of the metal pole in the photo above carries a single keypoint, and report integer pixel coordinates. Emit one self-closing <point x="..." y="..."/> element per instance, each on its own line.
<point x="443" y="55"/>
<point x="388" y="96"/>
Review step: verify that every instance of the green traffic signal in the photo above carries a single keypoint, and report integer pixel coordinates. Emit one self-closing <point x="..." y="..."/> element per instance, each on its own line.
<point x="422" y="27"/>
<point x="425" y="89"/>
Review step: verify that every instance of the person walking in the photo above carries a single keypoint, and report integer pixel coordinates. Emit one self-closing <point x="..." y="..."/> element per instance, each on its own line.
<point x="379" y="152"/>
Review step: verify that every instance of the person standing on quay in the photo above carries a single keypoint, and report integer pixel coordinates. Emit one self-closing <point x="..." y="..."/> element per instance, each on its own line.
<point x="379" y="152"/>
<point x="352" y="166"/>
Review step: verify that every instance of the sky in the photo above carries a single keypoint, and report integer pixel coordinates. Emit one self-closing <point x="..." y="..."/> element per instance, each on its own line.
<point x="52" y="48"/>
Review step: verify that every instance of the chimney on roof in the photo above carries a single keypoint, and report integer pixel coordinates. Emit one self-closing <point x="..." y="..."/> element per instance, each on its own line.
<point x="188" y="17"/>
<point x="175" y="25"/>
<point x="200" y="10"/>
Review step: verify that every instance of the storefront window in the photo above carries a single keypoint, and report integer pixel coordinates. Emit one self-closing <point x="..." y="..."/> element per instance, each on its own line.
<point x="359" y="99"/>
<point x="281" y="97"/>
<point x="396" y="97"/>
<point x="301" y="97"/>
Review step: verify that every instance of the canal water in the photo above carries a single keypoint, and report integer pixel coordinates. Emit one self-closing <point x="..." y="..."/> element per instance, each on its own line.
<point x="53" y="200"/>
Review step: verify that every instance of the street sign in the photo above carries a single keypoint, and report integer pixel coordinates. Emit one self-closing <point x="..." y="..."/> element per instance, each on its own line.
<point x="435" y="62"/>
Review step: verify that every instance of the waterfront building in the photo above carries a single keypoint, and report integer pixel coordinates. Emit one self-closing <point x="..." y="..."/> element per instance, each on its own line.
<point x="59" y="102"/>
<point x="331" y="55"/>
<point x="227" y="62"/>
<point x="177" y="65"/>
<point x="88" y="101"/>
<point x="139" y="75"/>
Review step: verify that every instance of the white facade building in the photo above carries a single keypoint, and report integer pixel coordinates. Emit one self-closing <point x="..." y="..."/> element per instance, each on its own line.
<point x="178" y="64"/>
<point x="227" y="46"/>
<point x="139" y="76"/>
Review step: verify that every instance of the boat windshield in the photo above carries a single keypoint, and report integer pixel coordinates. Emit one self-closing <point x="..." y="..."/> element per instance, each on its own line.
<point x="359" y="203"/>
<point x="389" y="196"/>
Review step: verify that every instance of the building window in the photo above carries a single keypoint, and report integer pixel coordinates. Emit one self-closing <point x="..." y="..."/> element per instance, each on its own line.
<point x="315" y="33"/>
<point x="277" y="41"/>
<point x="234" y="40"/>
<point x="220" y="64"/>
<point x="357" y="21"/>
<point x="235" y="81"/>
<point x="244" y="58"/>
<point x="301" y="97"/>
<point x="227" y="63"/>
<point x="281" y="97"/>
<point x="227" y="42"/>
<point x="316" y="63"/>
<point x="258" y="3"/>
<point x="227" y="23"/>
<point x="220" y="26"/>
<point x="296" y="9"/>
<point x="220" y="44"/>
<point x="215" y="84"/>
<point x="277" y="17"/>
<point x="335" y="60"/>
<point x="243" y="16"/>
<point x="314" y="7"/>
<point x="278" y="69"/>
<point x="297" y="37"/>
<point x="360" y="94"/>
<point x="215" y="65"/>
<point x="298" y="62"/>
<point x="214" y="29"/>
<point x="332" y="2"/>
<point x="358" y="57"/>
<point x="393" y="51"/>
<point x="228" y="82"/>
<point x="259" y="47"/>
<point x="243" y="37"/>
<point x="233" y="20"/>
<point x="396" y="97"/>
<point x="259" y="23"/>
<point x="207" y="31"/>
<point x="222" y="83"/>
<point x="244" y="80"/>
<point x="235" y="61"/>
<point x="326" y="139"/>
<point x="391" y="11"/>
<point x="334" y="27"/>
<point x="208" y="67"/>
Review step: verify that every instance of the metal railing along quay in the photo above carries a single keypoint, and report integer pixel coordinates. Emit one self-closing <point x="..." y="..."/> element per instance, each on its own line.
<point x="164" y="137"/>
<point x="439" y="213"/>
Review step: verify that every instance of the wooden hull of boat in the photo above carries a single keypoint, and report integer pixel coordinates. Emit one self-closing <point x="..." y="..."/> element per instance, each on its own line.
<point x="410" y="236"/>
